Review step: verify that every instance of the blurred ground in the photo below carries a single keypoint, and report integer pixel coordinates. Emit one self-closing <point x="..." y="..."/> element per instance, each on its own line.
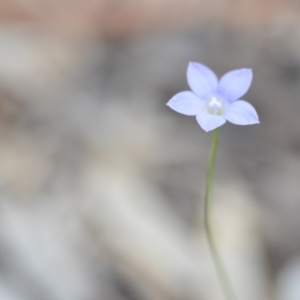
<point x="127" y="17"/>
<point x="102" y="184"/>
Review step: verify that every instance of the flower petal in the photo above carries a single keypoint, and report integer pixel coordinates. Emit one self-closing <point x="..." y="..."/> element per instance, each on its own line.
<point x="241" y="113"/>
<point x="202" y="80"/>
<point x="209" y="122"/>
<point x="186" y="103"/>
<point x="235" y="84"/>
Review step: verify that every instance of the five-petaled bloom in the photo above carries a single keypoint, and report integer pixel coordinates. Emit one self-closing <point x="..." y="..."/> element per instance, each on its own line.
<point x="214" y="102"/>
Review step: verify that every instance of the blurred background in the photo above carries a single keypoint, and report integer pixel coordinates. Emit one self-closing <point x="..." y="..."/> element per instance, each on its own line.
<point x="101" y="184"/>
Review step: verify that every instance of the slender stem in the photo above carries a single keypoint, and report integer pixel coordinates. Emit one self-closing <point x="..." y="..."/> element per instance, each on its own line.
<point x="222" y="274"/>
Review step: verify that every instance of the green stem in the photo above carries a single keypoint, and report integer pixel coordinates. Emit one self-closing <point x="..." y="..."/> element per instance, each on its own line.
<point x="222" y="274"/>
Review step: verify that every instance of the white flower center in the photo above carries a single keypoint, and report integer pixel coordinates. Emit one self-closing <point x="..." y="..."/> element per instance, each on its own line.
<point x="215" y="106"/>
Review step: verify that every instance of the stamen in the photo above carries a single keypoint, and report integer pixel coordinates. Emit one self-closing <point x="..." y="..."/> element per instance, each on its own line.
<point x="215" y="106"/>
<point x="214" y="102"/>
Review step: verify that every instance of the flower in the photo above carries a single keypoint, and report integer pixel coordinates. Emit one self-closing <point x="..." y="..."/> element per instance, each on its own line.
<point x="214" y="101"/>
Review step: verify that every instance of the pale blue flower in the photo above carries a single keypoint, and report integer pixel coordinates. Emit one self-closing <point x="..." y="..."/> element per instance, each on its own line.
<point x="214" y="101"/>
